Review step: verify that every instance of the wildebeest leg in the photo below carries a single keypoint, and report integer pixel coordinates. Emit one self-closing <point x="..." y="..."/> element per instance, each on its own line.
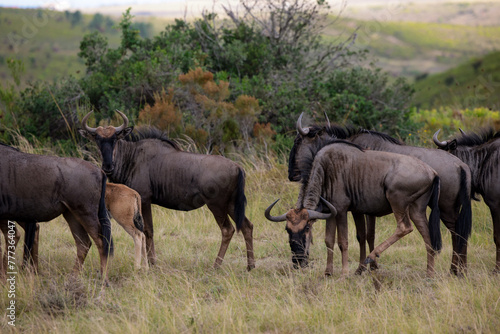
<point x="227" y="229"/>
<point x="458" y="261"/>
<point x="4" y="227"/>
<point x="30" y="259"/>
<point x="403" y="228"/>
<point x="139" y="240"/>
<point x="247" y="231"/>
<point x="420" y="220"/>
<point x="495" y="215"/>
<point x="2" y="264"/>
<point x="82" y="240"/>
<point x="359" y="220"/>
<point x="343" y="241"/>
<point x="331" y="229"/>
<point x="147" y="215"/>
<point x="82" y="226"/>
<point x="370" y="236"/>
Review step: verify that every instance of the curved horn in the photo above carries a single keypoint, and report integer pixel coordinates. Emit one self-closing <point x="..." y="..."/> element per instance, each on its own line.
<point x="84" y="123"/>
<point x="300" y="129"/>
<point x="267" y="213"/>
<point x="462" y="132"/>
<point x="125" y="122"/>
<point x="437" y="142"/>
<point x="319" y="215"/>
<point x="327" y="120"/>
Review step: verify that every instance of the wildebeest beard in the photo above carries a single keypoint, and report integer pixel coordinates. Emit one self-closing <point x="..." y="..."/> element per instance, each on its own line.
<point x="299" y="254"/>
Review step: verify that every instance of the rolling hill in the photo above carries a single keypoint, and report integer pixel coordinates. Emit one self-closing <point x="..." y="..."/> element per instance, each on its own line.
<point x="46" y="41"/>
<point x="471" y="84"/>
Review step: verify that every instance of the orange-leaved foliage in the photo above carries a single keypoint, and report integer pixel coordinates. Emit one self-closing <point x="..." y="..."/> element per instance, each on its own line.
<point x="164" y="114"/>
<point x="263" y="132"/>
<point x="200" y="108"/>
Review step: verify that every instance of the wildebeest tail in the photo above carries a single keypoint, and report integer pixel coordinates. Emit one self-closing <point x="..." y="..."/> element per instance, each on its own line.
<point x="138" y="221"/>
<point x="434" y="218"/>
<point x="104" y="220"/>
<point x="463" y="226"/>
<point x="240" y="200"/>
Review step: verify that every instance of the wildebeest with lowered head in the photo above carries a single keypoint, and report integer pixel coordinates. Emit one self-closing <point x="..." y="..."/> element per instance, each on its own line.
<point x="163" y="174"/>
<point x="454" y="201"/>
<point x="481" y="152"/>
<point x="366" y="182"/>
<point x="38" y="188"/>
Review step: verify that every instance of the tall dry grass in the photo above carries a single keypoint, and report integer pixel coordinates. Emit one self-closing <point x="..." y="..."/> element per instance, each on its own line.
<point x="184" y="294"/>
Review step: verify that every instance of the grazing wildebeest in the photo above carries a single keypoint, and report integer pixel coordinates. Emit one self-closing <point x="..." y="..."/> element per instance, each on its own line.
<point x="365" y="182"/>
<point x="37" y="188"/>
<point x="481" y="152"/>
<point x="163" y="174"/>
<point x="455" y="177"/>
<point x="122" y="203"/>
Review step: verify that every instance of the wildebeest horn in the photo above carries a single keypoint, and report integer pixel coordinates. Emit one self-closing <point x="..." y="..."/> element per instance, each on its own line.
<point x="125" y="122"/>
<point x="300" y="129"/>
<point x="281" y="218"/>
<point x="319" y="215"/>
<point x="84" y="123"/>
<point x="462" y="132"/>
<point x="327" y="120"/>
<point x="436" y="140"/>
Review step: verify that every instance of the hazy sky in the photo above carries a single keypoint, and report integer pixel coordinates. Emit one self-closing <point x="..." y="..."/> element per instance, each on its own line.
<point x="71" y="4"/>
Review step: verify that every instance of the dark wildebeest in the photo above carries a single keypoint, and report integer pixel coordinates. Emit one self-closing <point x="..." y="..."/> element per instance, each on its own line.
<point x="454" y="201"/>
<point x="365" y="182"/>
<point x="481" y="152"/>
<point x="37" y="188"/>
<point x="163" y="174"/>
<point x="122" y="203"/>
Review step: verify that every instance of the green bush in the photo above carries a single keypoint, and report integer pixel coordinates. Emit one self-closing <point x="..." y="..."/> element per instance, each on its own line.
<point x="50" y="111"/>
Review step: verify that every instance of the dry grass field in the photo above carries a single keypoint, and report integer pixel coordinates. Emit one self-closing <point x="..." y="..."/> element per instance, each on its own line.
<point x="184" y="294"/>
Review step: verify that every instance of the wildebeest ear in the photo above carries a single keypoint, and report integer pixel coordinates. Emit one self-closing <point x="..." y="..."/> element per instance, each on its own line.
<point x="452" y="145"/>
<point x="125" y="132"/>
<point x="87" y="134"/>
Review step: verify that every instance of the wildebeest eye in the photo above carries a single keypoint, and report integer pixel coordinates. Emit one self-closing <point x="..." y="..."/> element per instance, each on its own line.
<point x="307" y="228"/>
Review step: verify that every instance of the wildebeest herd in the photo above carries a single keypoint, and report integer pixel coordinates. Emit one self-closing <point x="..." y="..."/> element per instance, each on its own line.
<point x="341" y="169"/>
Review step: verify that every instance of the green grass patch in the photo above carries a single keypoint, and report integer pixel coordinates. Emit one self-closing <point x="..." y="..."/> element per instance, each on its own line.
<point x="475" y="83"/>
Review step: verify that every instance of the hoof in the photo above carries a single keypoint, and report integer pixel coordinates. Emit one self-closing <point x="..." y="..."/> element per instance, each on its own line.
<point x="360" y="270"/>
<point x="374" y="265"/>
<point x="328" y="274"/>
<point x="369" y="260"/>
<point x="250" y="267"/>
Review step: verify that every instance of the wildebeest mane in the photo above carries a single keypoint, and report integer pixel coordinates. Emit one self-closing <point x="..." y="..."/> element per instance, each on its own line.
<point x="345" y="132"/>
<point x="341" y="132"/>
<point x="10" y="147"/>
<point x="150" y="132"/>
<point x="384" y="136"/>
<point x="475" y="139"/>
<point x="306" y="162"/>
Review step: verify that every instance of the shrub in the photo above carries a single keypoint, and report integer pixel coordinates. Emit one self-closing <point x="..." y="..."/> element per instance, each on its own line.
<point x="450" y="120"/>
